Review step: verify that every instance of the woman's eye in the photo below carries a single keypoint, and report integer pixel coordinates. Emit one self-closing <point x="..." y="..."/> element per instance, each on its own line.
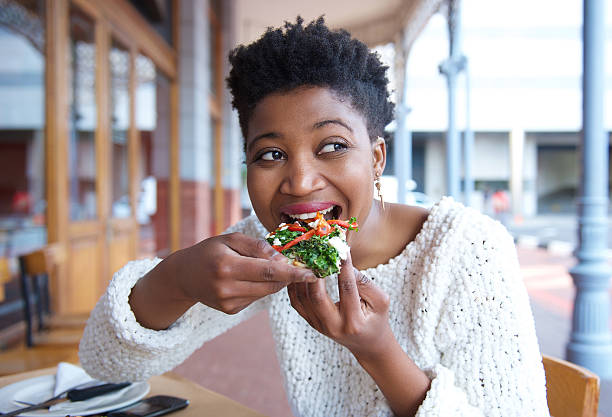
<point x="332" y="147"/>
<point x="271" y="156"/>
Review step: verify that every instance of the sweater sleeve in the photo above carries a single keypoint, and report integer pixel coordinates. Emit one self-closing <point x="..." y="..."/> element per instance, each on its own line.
<point x="115" y="347"/>
<point x="489" y="363"/>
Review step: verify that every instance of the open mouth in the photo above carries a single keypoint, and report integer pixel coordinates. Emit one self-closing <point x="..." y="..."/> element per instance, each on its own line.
<point x="329" y="214"/>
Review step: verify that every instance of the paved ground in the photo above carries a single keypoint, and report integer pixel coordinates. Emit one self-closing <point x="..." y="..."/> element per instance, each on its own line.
<point x="551" y="292"/>
<point x="242" y="364"/>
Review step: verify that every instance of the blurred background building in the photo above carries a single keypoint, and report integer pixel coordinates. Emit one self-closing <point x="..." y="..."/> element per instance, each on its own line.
<point x="525" y="68"/>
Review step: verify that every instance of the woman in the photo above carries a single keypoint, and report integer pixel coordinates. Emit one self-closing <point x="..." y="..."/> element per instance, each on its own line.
<point x="428" y="315"/>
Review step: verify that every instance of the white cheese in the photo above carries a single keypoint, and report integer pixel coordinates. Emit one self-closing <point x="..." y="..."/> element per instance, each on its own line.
<point x="341" y="246"/>
<point x="314" y="224"/>
<point x="276" y="242"/>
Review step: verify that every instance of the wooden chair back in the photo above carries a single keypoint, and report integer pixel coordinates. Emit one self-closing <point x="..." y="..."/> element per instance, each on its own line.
<point x="36" y="268"/>
<point x="5" y="276"/>
<point x="572" y="390"/>
<point x="50" y="338"/>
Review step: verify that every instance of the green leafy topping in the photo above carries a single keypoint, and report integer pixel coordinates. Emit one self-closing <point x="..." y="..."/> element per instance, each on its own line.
<point x="317" y="254"/>
<point x="285" y="236"/>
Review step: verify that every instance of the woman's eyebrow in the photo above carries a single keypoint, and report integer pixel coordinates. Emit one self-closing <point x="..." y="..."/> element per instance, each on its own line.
<point x="332" y="121"/>
<point x="271" y="135"/>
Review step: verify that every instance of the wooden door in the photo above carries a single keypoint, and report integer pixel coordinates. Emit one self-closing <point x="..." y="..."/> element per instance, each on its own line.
<point x="92" y="158"/>
<point x="85" y="160"/>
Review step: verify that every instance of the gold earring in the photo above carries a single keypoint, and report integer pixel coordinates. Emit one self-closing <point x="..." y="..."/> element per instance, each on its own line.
<point x="379" y="191"/>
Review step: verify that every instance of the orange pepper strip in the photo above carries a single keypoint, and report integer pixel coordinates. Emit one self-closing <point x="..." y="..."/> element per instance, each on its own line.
<point x="298" y="239"/>
<point x="343" y="223"/>
<point x="296" y="228"/>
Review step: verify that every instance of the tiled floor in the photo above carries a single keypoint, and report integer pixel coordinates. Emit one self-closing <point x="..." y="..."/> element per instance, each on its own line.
<point x="551" y="291"/>
<point x="241" y="363"/>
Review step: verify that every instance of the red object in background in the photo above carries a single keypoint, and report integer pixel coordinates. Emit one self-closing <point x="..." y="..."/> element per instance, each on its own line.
<point x="500" y="202"/>
<point x="22" y="202"/>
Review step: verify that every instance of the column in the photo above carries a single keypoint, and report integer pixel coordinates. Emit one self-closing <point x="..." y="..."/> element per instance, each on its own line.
<point x="233" y="155"/>
<point x="402" y="145"/>
<point x="468" y="145"/>
<point x="450" y="68"/>
<point x="196" y="147"/>
<point x="590" y="342"/>
<point x="517" y="146"/>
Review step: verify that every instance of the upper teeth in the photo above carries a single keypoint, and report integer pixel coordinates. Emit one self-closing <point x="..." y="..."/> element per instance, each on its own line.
<point x="304" y="216"/>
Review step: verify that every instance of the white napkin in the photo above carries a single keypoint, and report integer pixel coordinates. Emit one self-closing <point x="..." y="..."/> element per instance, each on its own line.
<point x="69" y="376"/>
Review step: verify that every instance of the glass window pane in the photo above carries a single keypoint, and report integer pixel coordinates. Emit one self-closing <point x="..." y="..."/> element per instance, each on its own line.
<point x="153" y="124"/>
<point x="119" y="59"/>
<point x="83" y="118"/>
<point x="22" y="127"/>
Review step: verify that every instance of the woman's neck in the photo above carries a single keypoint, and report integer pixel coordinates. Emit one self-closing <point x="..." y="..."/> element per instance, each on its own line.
<point x="385" y="233"/>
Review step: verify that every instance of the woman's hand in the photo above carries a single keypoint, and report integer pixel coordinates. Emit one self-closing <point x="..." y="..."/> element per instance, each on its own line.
<point x="229" y="272"/>
<point x="359" y="321"/>
<point x="226" y="272"/>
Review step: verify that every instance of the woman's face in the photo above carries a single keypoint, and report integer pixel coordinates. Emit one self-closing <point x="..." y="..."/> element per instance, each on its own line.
<point x="308" y="150"/>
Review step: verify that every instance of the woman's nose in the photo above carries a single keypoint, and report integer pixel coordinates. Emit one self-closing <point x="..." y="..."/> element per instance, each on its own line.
<point x="301" y="179"/>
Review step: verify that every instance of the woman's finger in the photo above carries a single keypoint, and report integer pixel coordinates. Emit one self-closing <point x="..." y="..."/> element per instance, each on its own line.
<point x="264" y="270"/>
<point x="371" y="293"/>
<point x="322" y="307"/>
<point x="259" y="289"/>
<point x="251" y="247"/>
<point x="350" y="303"/>
<point x="295" y="302"/>
<point x="298" y="293"/>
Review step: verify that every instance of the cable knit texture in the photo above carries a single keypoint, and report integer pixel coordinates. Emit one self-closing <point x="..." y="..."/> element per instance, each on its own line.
<point x="458" y="308"/>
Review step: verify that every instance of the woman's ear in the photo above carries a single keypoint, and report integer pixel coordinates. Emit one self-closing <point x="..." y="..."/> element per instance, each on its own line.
<point x="379" y="154"/>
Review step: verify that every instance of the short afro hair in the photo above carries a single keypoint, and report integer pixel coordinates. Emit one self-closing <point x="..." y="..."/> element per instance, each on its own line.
<point x="310" y="55"/>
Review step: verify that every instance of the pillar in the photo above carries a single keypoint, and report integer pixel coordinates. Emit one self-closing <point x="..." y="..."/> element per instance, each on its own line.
<point x="517" y="146"/>
<point x="196" y="148"/>
<point x="402" y="143"/>
<point x="590" y="342"/>
<point x="450" y="68"/>
<point x="468" y="145"/>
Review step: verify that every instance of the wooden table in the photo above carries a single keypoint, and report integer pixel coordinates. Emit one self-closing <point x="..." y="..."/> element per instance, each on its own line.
<point x="202" y="402"/>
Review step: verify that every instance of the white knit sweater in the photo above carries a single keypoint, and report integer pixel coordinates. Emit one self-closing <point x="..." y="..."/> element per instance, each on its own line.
<point x="458" y="308"/>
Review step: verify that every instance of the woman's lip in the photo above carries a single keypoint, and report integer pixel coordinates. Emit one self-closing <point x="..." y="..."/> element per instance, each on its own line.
<point x="300" y="208"/>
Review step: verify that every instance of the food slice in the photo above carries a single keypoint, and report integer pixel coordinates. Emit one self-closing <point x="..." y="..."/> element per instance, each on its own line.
<point x="317" y="244"/>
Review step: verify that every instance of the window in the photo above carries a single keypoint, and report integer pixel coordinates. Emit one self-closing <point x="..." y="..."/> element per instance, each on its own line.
<point x="153" y="124"/>
<point x="119" y="62"/>
<point x="83" y="118"/>
<point x="22" y="127"/>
